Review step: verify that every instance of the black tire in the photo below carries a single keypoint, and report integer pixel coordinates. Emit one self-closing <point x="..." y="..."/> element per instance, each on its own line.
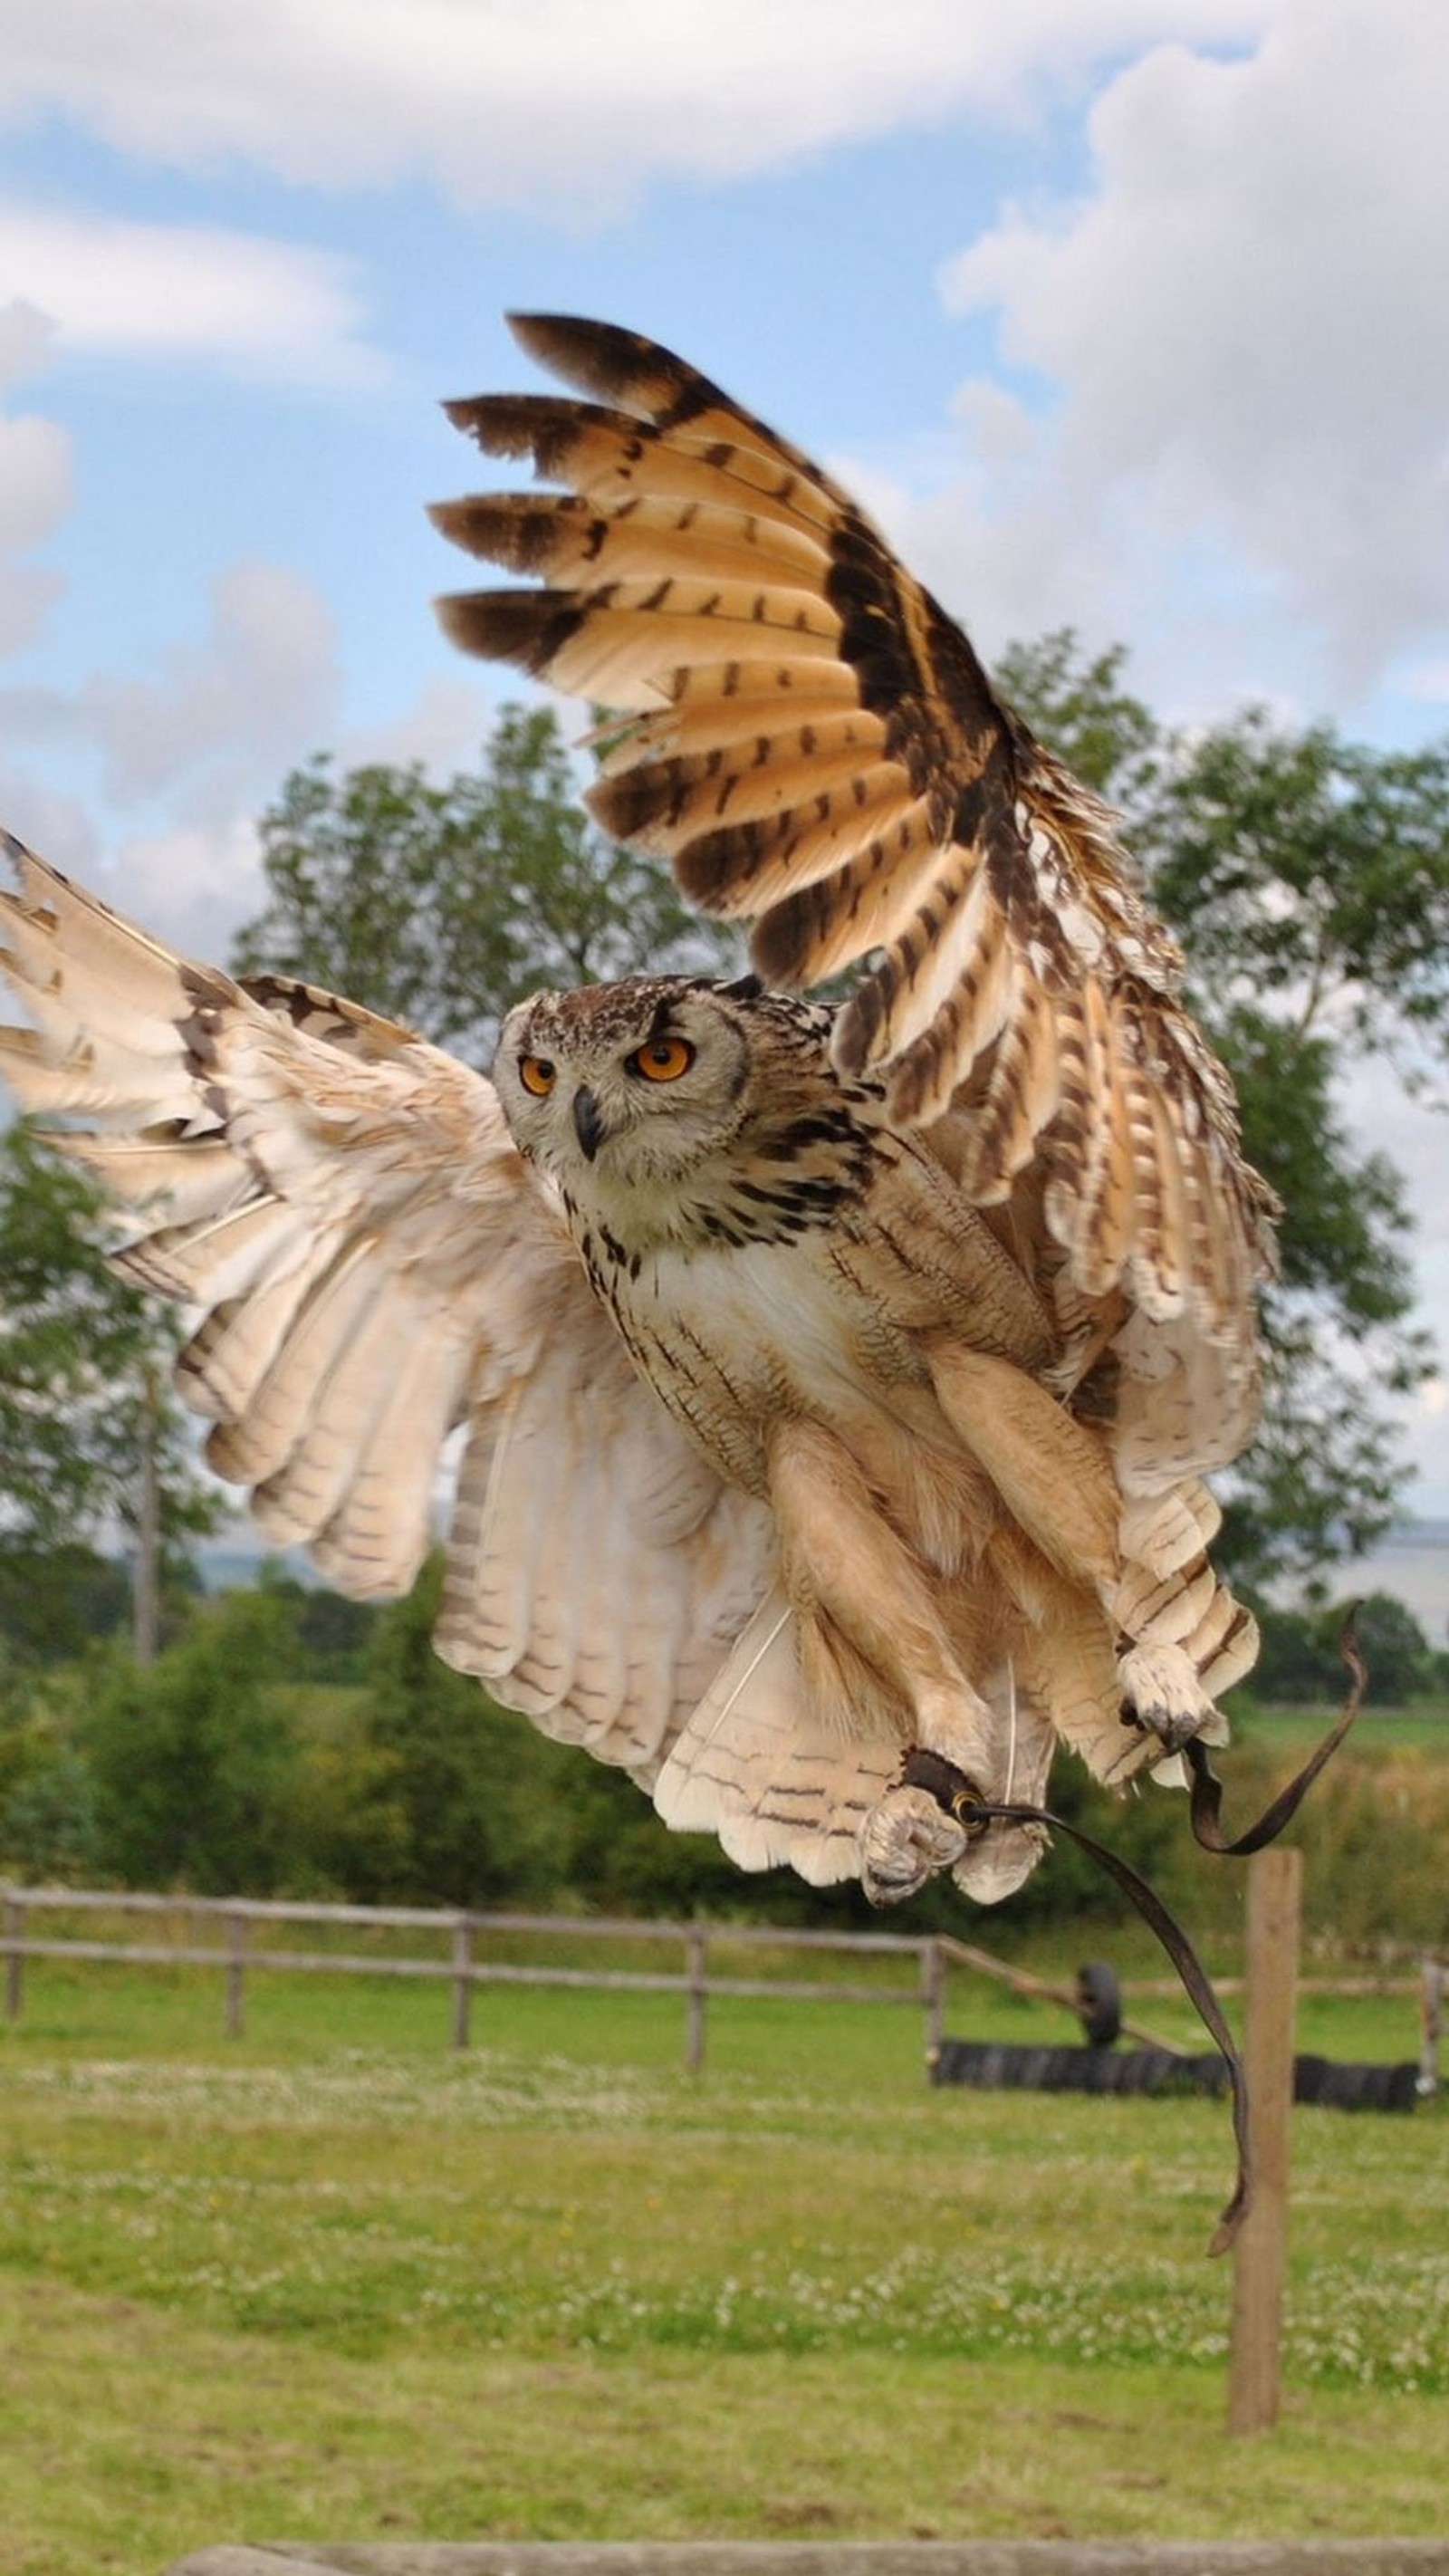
<point x="1099" y="2004"/>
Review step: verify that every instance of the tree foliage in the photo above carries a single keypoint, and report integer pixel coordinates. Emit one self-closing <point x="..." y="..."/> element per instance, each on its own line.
<point x="1301" y="1658"/>
<point x="82" y="1357"/>
<point x="444" y="904"/>
<point x="54" y="1600"/>
<point x="192" y="1757"/>
<point x="1313" y="873"/>
<point x="467" y="1796"/>
<point x="1308" y="879"/>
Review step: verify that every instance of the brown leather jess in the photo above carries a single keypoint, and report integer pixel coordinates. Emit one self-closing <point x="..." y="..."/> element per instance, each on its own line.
<point x="955" y="1793"/>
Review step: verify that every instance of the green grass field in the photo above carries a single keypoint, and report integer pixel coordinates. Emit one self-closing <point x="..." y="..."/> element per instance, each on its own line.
<point x="331" y="2280"/>
<point x="1422" y="1723"/>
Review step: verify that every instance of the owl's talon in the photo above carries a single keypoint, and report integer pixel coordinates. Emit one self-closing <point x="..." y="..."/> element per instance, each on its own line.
<point x="999" y="1861"/>
<point x="905" y="1839"/>
<point x="1163" y="1696"/>
<point x="909" y="1835"/>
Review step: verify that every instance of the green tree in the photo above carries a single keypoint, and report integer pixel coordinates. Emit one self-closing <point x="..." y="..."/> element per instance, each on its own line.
<point x="472" y="1792"/>
<point x="1308" y="879"/>
<point x="55" y="1600"/>
<point x="1302" y="1653"/>
<point x="48" y="1824"/>
<point x="194" y="1760"/>
<point x="444" y="904"/>
<point x="1398" y="1655"/>
<point x="1312" y="875"/>
<point x="1082" y="707"/>
<point x="332" y="1634"/>
<point x="87" y="1429"/>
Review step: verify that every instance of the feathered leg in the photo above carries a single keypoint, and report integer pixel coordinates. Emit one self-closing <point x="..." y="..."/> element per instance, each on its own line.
<point x="1180" y="1633"/>
<point x="843" y="1565"/>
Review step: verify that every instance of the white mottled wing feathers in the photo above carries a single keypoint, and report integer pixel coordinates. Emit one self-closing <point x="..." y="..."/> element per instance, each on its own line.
<point x="756" y="1764"/>
<point x="371" y="1263"/>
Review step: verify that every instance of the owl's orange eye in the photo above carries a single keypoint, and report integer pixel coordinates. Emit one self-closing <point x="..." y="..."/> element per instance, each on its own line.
<point x="537" y="1075"/>
<point x="663" y="1059"/>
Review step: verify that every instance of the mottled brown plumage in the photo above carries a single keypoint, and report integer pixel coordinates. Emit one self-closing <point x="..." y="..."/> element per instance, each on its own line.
<point x="833" y="1379"/>
<point x="811" y="741"/>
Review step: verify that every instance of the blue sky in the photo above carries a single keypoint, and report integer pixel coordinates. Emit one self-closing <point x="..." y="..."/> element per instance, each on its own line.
<point x="1127" y="314"/>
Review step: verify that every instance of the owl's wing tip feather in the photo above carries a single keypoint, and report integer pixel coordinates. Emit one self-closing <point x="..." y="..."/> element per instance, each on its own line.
<point x="526" y="627"/>
<point x="602" y="358"/>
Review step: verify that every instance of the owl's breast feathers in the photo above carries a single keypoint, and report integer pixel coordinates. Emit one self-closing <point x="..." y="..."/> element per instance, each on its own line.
<point x="798" y="1275"/>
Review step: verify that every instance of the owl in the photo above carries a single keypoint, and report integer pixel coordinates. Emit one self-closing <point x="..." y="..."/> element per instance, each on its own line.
<point x="835" y="1381"/>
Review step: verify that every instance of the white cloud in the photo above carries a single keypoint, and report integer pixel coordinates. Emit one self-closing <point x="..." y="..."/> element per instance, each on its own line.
<point x="1416" y="1141"/>
<point x="25" y="341"/>
<point x="35" y="482"/>
<point x="560" y="103"/>
<point x="192" y="884"/>
<point x="444" y="729"/>
<point x="212" y="727"/>
<point x="196" y="879"/>
<point x="255" y="306"/>
<point x="258" y="691"/>
<point x="1241" y="330"/>
<point x="206" y="740"/>
<point x="61" y="827"/>
<point x="27" y="594"/>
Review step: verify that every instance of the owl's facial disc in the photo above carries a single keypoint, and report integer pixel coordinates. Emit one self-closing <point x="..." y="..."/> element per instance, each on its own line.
<point x="624" y="1086"/>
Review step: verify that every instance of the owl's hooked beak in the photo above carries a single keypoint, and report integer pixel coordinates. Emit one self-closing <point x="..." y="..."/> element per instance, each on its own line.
<point x="588" y="1121"/>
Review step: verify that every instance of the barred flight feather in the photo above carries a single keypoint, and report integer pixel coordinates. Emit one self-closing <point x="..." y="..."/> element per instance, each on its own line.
<point x="814" y="932"/>
<point x="564" y="538"/>
<point x="659" y="804"/>
<point x="1097" y="1215"/>
<point x="658" y="481"/>
<point x="1023" y="1090"/>
<point x="745" y="865"/>
<point x="620" y="644"/>
<point x="609" y="457"/>
<point x="241" y="1338"/>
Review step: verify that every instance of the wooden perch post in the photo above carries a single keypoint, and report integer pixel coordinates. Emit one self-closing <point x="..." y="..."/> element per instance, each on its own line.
<point x="1261" y="2256"/>
<point x="1431" y="2023"/>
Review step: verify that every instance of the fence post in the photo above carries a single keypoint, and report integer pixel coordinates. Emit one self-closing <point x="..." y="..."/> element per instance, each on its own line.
<point x="462" y="1979"/>
<point x="1260" y="2259"/>
<point x="236" y="1969"/>
<point x="696" y="1942"/>
<point x="14" y="1957"/>
<point x="1431" y="2018"/>
<point x="933" y="1996"/>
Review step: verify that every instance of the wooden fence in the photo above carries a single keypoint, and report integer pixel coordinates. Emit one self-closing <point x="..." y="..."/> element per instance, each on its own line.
<point x="220" y="1936"/>
<point x="221" y="1929"/>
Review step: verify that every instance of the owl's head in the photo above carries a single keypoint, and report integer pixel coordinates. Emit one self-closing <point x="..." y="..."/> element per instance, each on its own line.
<point x="623" y="1088"/>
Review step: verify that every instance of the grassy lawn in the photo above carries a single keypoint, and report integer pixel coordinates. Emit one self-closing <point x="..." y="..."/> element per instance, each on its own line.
<point x="1421" y="1723"/>
<point x="332" y="2281"/>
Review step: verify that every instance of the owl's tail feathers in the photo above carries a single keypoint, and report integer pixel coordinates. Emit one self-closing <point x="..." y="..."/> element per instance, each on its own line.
<point x="756" y="1765"/>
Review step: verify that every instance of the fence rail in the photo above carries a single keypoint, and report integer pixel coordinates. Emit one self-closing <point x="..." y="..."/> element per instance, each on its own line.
<point x="236" y="1954"/>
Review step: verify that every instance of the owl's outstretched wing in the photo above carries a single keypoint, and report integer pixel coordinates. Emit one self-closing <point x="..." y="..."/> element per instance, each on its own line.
<point x="811" y="741"/>
<point x="371" y="1264"/>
